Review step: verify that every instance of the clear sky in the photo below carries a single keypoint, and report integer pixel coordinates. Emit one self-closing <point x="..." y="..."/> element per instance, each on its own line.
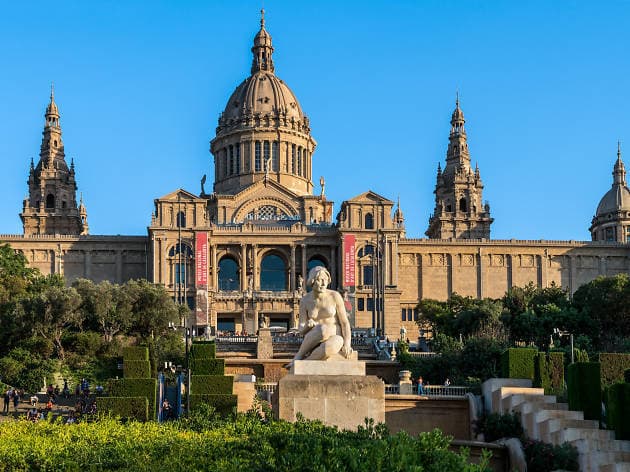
<point x="140" y="85"/>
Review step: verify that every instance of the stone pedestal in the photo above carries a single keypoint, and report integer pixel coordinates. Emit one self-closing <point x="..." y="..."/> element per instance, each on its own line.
<point x="337" y="393"/>
<point x="264" y="347"/>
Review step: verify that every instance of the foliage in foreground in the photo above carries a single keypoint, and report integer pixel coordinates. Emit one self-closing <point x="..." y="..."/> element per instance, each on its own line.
<point x="245" y="442"/>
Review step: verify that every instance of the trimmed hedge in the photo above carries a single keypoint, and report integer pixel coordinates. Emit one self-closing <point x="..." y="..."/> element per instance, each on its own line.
<point x="518" y="363"/>
<point x="203" y="350"/>
<point x="619" y="410"/>
<point x="584" y="389"/>
<point x="202" y="366"/>
<point x="549" y="372"/>
<point x="136" y="369"/>
<point x="211" y="384"/>
<point x="136" y="388"/>
<point x="126" y="407"/>
<point x="222" y="403"/>
<point x="136" y="353"/>
<point x="613" y="366"/>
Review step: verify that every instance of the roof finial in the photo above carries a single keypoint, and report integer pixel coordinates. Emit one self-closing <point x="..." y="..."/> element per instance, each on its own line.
<point x="262" y="18"/>
<point x="52" y="91"/>
<point x="618" y="150"/>
<point x="456" y="98"/>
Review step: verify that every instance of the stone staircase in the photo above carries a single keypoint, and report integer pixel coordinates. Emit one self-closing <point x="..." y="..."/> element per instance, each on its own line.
<point x="546" y="420"/>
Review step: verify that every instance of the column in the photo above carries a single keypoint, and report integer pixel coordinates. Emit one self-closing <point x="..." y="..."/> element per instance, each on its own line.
<point x="480" y="288"/>
<point x="215" y="269"/>
<point x="243" y="267"/>
<point x="162" y="264"/>
<point x="572" y="274"/>
<point x="304" y="264"/>
<point x="292" y="277"/>
<point x="255" y="271"/>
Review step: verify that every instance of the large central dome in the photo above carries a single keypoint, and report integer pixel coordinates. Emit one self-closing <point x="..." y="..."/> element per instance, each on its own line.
<point x="263" y="132"/>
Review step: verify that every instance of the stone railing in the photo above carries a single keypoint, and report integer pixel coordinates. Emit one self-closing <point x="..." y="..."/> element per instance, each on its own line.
<point x="266" y="387"/>
<point x="236" y="339"/>
<point x="423" y="354"/>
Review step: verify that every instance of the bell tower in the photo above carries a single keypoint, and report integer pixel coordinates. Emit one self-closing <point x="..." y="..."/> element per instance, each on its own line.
<point x="459" y="212"/>
<point x="51" y="206"/>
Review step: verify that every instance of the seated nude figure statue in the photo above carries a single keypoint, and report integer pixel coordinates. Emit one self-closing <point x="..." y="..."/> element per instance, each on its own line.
<point x="323" y="321"/>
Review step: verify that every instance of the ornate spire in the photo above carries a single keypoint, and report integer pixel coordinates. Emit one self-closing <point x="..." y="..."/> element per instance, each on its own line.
<point x="262" y="49"/>
<point x="52" y="112"/>
<point x="619" y="171"/>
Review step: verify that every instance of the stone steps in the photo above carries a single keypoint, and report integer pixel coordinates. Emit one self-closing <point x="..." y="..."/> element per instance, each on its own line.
<point x="533" y="418"/>
<point x="551" y="425"/>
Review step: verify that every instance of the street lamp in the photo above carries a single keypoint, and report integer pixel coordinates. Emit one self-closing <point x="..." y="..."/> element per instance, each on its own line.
<point x="187" y="333"/>
<point x="560" y="333"/>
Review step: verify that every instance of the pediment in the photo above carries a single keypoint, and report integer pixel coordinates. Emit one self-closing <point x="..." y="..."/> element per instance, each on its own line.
<point x="267" y="197"/>
<point x="370" y="197"/>
<point x="180" y="195"/>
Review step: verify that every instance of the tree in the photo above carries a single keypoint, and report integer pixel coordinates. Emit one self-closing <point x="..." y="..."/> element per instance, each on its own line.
<point x="152" y="308"/>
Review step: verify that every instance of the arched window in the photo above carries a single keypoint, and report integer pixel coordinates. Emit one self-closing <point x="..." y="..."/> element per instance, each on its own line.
<point x="366" y="250"/>
<point x="369" y="221"/>
<point x="228" y="274"/>
<point x="273" y="273"/>
<point x="50" y="201"/>
<point x="316" y="261"/>
<point x="181" y="259"/>
<point x="181" y="219"/>
<point x="462" y="205"/>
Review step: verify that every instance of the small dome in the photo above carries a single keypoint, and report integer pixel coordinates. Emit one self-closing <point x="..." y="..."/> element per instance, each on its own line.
<point x="262" y="94"/>
<point x="616" y="199"/>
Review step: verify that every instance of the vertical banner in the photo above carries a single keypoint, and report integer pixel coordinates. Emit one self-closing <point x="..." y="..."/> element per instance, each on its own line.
<point x="201" y="278"/>
<point x="349" y="243"/>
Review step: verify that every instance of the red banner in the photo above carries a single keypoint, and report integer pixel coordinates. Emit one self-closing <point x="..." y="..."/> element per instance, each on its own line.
<point x="201" y="259"/>
<point x="348" y="260"/>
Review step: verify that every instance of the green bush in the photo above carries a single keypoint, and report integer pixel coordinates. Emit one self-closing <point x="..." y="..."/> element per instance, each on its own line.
<point x="613" y="366"/>
<point x="203" y="350"/>
<point x="543" y="457"/>
<point x="136" y="353"/>
<point x="136" y="369"/>
<point x="518" y="363"/>
<point x="211" y="384"/>
<point x="549" y="372"/>
<point x="618" y="412"/>
<point x="584" y="389"/>
<point x="135" y="388"/>
<point x="496" y="426"/>
<point x="201" y="366"/>
<point x="222" y="403"/>
<point x="136" y="408"/>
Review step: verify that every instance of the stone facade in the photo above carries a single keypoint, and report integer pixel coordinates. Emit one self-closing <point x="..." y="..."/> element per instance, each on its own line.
<point x="239" y="255"/>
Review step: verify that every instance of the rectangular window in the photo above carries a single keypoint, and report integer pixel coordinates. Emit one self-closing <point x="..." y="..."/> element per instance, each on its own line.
<point x="293" y="158"/>
<point x="368" y="273"/>
<point x="275" y="157"/>
<point x="610" y="234"/>
<point x="257" y="165"/>
<point x="370" y="304"/>
<point x="299" y="161"/>
<point x="360" y="304"/>
<point x="416" y="314"/>
<point x="404" y="314"/>
<point x="180" y="273"/>
<point x="231" y="166"/>
<point x="237" y="156"/>
<point x="267" y="152"/>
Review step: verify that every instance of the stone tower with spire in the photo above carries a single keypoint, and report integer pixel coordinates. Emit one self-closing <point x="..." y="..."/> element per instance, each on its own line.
<point x="459" y="209"/>
<point x="51" y="206"/>
<point x="612" y="217"/>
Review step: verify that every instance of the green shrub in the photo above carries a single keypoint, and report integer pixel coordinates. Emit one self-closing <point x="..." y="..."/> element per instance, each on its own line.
<point x="543" y="457"/>
<point x="126" y="407"/>
<point x="203" y="350"/>
<point x="584" y="389"/>
<point x="496" y="426"/>
<point x="135" y="353"/>
<point x="201" y="366"/>
<point x="136" y="369"/>
<point x="619" y="410"/>
<point x="549" y="372"/>
<point x="613" y="366"/>
<point x="518" y="363"/>
<point x="222" y="403"/>
<point x="211" y="384"/>
<point x="135" y="388"/>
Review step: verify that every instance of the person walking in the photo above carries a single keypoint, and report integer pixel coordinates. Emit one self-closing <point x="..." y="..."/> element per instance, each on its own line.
<point x="16" y="399"/>
<point x="6" y="401"/>
<point x="420" y="386"/>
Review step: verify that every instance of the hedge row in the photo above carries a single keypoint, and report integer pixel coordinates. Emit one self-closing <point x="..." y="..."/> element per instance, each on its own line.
<point x="613" y="366"/>
<point x="136" y="388"/>
<point x="518" y="363"/>
<point x="201" y="366"/>
<point x="136" y="353"/>
<point x="211" y="384"/>
<point x="619" y="410"/>
<point x="549" y="372"/>
<point x="584" y="389"/>
<point x="136" y="369"/>
<point x="222" y="403"/>
<point x="203" y="350"/>
<point x="126" y="407"/>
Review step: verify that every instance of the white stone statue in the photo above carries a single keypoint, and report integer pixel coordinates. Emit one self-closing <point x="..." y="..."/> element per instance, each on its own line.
<point x="323" y="321"/>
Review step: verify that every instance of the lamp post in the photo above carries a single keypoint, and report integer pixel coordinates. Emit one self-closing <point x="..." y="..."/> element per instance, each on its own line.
<point x="187" y="351"/>
<point x="565" y="333"/>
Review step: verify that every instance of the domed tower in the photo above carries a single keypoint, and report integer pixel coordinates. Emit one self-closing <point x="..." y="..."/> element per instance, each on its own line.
<point x="612" y="218"/>
<point x="459" y="211"/>
<point x="51" y="206"/>
<point x="263" y="132"/>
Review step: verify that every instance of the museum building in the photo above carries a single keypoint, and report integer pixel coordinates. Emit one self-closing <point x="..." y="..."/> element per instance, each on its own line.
<point x="239" y="254"/>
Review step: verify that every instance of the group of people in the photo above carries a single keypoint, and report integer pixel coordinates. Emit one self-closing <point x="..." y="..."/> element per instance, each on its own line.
<point x="422" y="386"/>
<point x="11" y="395"/>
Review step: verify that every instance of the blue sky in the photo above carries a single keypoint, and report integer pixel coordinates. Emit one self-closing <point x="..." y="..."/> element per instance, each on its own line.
<point x="140" y="85"/>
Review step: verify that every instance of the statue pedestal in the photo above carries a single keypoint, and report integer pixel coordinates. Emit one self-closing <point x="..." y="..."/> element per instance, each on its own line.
<point x="338" y="393"/>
